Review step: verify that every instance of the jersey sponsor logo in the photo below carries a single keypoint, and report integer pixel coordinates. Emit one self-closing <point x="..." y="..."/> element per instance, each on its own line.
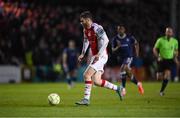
<point x="127" y="39"/>
<point x="124" y="45"/>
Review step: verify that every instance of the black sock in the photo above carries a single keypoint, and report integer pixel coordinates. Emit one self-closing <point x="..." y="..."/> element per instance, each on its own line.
<point x="123" y="82"/>
<point x="164" y="84"/>
<point x="133" y="79"/>
<point x="123" y="78"/>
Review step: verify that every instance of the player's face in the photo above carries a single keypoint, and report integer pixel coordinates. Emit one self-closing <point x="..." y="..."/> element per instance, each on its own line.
<point x="84" y="22"/>
<point x="71" y="44"/>
<point x="121" y="30"/>
<point x="169" y="32"/>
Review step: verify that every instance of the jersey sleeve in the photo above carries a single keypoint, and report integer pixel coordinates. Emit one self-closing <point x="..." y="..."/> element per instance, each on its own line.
<point x="65" y="50"/>
<point x="176" y="44"/>
<point x="84" y="35"/>
<point x="99" y="31"/>
<point x="114" y="43"/>
<point x="133" y="40"/>
<point x="157" y="44"/>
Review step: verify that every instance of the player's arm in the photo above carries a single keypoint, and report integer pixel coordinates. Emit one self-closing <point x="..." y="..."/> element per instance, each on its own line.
<point x="85" y="46"/>
<point x="102" y="37"/>
<point x="156" y="48"/>
<point x="84" y="49"/>
<point x="176" y="57"/>
<point x="115" y="45"/>
<point x="105" y="41"/>
<point x="77" y="57"/>
<point x="155" y="52"/>
<point x="176" y="53"/>
<point x="136" y="46"/>
<point x="135" y="43"/>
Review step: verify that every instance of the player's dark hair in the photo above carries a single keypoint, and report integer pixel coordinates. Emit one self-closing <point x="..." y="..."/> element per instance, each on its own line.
<point x="121" y="25"/>
<point x="86" y="14"/>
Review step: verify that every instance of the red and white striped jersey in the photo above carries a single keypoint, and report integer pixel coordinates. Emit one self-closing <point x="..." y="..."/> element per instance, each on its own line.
<point x="95" y="36"/>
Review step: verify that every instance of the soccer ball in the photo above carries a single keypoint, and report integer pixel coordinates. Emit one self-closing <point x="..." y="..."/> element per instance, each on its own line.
<point x="53" y="99"/>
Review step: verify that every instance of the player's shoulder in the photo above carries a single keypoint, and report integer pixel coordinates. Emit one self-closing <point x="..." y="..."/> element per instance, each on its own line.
<point x="130" y="36"/>
<point x="162" y="37"/>
<point x="65" y="50"/>
<point x="174" y="38"/>
<point x="115" y="37"/>
<point x="97" y="27"/>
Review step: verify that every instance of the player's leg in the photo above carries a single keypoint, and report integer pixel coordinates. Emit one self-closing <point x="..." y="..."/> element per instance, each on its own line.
<point x="159" y="75"/>
<point x="103" y="83"/>
<point x="88" y="86"/>
<point x="166" y="78"/>
<point x="69" y="81"/>
<point x="73" y="77"/>
<point x="123" y="79"/>
<point x="106" y="84"/>
<point x="166" y="68"/>
<point x="134" y="80"/>
<point x="160" y="69"/>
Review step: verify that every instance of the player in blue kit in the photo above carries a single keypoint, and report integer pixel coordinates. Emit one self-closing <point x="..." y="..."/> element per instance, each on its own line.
<point x="70" y="55"/>
<point x="123" y="45"/>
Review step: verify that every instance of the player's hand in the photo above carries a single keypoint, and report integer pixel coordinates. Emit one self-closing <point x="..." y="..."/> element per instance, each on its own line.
<point x="65" y="68"/>
<point x="80" y="58"/>
<point x="159" y="59"/>
<point x="96" y="58"/>
<point x="137" y="55"/>
<point x="176" y="61"/>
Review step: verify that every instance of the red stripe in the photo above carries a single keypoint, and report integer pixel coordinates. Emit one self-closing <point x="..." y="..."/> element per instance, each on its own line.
<point x="103" y="82"/>
<point x="88" y="82"/>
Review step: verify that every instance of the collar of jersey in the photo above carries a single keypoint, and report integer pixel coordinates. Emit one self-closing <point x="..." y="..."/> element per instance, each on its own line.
<point x="121" y="37"/>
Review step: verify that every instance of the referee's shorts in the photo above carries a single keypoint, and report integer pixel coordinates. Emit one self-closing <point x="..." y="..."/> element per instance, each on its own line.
<point x="165" y="64"/>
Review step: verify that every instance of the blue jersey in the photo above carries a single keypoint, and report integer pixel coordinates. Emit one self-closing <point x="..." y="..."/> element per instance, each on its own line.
<point x="126" y="45"/>
<point x="71" y="58"/>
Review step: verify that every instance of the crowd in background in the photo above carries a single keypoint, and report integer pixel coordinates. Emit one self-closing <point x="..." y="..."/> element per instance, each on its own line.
<point x="35" y="34"/>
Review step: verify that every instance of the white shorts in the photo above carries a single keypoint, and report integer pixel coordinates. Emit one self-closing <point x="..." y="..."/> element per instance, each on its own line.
<point x="99" y="65"/>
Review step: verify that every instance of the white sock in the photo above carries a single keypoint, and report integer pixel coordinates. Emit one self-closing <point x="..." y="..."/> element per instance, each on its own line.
<point x="109" y="85"/>
<point x="87" y="89"/>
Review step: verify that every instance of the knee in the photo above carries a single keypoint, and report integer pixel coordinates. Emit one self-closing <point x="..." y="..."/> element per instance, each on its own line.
<point x="97" y="82"/>
<point x="123" y="74"/>
<point x="86" y="76"/>
<point x="127" y="68"/>
<point x="167" y="75"/>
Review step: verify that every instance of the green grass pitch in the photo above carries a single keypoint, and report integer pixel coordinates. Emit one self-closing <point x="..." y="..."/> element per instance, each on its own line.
<point x="28" y="100"/>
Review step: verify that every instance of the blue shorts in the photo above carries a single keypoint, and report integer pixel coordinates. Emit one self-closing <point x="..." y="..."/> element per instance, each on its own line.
<point x="127" y="61"/>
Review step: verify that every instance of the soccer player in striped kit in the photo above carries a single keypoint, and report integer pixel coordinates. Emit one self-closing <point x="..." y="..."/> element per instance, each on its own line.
<point x="96" y="38"/>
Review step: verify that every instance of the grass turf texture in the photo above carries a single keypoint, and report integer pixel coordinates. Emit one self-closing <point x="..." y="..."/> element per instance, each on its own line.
<point x="27" y="100"/>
